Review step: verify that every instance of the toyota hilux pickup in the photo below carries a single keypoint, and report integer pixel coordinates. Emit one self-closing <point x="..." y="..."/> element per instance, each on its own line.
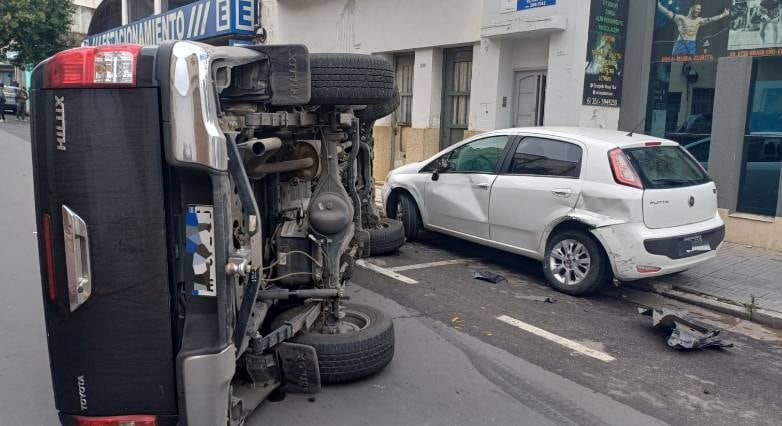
<point x="199" y="212"/>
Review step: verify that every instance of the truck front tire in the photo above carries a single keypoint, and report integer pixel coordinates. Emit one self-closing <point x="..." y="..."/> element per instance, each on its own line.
<point x="350" y="79"/>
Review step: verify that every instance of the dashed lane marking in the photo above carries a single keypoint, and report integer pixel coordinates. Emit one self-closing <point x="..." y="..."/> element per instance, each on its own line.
<point x="430" y="264"/>
<point x="383" y="271"/>
<point x="602" y="356"/>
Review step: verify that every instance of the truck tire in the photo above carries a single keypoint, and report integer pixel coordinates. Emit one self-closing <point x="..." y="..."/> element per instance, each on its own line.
<point x="350" y="79"/>
<point x="354" y="355"/>
<point x="376" y="112"/>
<point x="387" y="238"/>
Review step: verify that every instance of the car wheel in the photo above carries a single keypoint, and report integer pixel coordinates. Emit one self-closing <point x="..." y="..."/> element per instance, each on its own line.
<point x="405" y="210"/>
<point x="575" y="264"/>
<point x="364" y="346"/>
<point x="387" y="238"/>
<point x="350" y="79"/>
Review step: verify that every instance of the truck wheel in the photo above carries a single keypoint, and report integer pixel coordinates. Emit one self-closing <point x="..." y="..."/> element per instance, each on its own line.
<point x="350" y="79"/>
<point x="387" y="238"/>
<point x="404" y="209"/>
<point x="575" y="264"/>
<point x="376" y="112"/>
<point x="364" y="348"/>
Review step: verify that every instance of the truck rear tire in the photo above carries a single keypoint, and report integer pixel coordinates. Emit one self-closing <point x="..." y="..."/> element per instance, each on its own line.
<point x="350" y="79"/>
<point x="354" y="355"/>
<point x="376" y="112"/>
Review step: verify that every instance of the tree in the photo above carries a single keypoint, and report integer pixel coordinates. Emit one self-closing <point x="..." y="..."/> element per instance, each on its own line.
<point x="35" y="29"/>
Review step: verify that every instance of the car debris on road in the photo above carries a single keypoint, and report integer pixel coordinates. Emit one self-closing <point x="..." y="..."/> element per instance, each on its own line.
<point x="544" y="299"/>
<point x="686" y="332"/>
<point x="488" y="276"/>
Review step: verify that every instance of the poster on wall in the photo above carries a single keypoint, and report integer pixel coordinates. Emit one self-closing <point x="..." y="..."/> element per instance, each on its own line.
<point x="691" y="30"/>
<point x="605" y="53"/>
<point x="704" y="30"/>
<point x="755" y="28"/>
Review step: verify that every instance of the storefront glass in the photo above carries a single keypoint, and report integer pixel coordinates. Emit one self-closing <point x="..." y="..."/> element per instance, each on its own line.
<point x="681" y="102"/>
<point x="759" y="188"/>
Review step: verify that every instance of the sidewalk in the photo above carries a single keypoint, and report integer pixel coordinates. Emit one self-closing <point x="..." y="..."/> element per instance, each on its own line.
<point x="740" y="275"/>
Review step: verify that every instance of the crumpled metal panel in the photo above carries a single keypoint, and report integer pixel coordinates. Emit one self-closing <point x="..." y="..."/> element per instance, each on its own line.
<point x="686" y="332"/>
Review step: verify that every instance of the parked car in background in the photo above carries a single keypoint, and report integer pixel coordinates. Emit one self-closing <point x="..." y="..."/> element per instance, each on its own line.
<point x="10" y="98"/>
<point x="590" y="204"/>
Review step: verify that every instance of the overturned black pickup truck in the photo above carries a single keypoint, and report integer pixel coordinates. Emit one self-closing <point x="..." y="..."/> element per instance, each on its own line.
<point x="199" y="212"/>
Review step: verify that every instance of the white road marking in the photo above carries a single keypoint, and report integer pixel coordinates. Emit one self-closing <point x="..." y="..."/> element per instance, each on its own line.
<point x="430" y="264"/>
<point x="602" y="356"/>
<point x="383" y="271"/>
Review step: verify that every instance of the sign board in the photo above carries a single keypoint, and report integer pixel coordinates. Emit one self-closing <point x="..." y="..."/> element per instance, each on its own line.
<point x="692" y="31"/>
<point x="200" y="20"/>
<point x="605" y="53"/>
<point x="529" y="4"/>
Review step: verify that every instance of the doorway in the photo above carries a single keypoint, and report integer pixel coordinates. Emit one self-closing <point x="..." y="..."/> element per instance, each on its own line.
<point x="529" y="98"/>
<point x="457" y="78"/>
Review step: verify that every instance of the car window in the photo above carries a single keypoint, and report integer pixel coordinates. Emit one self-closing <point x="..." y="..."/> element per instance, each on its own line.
<point x="546" y="157"/>
<point x="480" y="156"/>
<point x="663" y="167"/>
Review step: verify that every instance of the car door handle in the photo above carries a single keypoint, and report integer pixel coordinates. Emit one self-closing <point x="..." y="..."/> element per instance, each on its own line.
<point x="482" y="185"/>
<point x="562" y="192"/>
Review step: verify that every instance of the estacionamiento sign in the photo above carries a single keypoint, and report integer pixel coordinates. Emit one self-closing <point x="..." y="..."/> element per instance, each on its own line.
<point x="605" y="53"/>
<point x="704" y="30"/>
<point x="196" y="21"/>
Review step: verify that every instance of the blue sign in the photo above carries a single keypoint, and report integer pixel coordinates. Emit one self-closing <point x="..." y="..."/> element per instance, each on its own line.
<point x="201" y="20"/>
<point x="529" y="4"/>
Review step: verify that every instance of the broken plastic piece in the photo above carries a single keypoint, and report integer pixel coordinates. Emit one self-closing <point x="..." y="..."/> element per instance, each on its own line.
<point x="488" y="276"/>
<point x="545" y="299"/>
<point x="686" y="332"/>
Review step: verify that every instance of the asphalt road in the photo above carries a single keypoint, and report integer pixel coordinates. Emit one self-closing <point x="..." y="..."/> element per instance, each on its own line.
<point x="455" y="362"/>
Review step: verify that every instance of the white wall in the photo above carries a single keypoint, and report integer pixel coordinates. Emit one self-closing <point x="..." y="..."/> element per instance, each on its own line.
<point x="368" y="26"/>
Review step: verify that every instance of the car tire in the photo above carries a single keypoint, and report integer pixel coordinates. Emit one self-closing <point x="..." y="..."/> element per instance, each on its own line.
<point x="349" y="356"/>
<point x="350" y="79"/>
<point x="404" y="208"/>
<point x="376" y="112"/>
<point x="566" y="255"/>
<point x="387" y="238"/>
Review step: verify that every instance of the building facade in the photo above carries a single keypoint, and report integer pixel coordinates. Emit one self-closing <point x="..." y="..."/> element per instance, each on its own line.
<point x="704" y="73"/>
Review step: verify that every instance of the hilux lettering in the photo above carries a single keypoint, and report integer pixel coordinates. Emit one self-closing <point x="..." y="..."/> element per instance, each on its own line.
<point x="59" y="121"/>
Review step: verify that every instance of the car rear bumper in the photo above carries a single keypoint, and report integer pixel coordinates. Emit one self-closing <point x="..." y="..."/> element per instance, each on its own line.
<point x="636" y="251"/>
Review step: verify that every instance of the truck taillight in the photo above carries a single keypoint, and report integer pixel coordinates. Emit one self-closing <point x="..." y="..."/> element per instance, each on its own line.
<point x="116" y="421"/>
<point x="623" y="171"/>
<point x="105" y="66"/>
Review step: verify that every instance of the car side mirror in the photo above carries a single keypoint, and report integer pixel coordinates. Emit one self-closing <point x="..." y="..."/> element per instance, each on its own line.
<point x="441" y="166"/>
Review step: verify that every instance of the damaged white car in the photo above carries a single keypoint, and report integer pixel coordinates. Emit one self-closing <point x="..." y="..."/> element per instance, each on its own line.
<point x="591" y="204"/>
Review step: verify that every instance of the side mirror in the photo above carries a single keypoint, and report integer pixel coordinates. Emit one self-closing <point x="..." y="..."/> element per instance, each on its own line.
<point x="441" y="166"/>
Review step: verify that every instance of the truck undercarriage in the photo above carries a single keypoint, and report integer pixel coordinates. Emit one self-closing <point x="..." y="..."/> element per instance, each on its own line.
<point x="268" y="199"/>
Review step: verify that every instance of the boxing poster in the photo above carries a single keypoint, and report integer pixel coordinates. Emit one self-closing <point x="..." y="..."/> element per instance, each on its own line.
<point x="691" y="30"/>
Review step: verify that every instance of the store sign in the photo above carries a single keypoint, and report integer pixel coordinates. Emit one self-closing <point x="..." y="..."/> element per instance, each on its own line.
<point x="203" y="19"/>
<point x="605" y="53"/>
<point x="529" y="4"/>
<point x="687" y="31"/>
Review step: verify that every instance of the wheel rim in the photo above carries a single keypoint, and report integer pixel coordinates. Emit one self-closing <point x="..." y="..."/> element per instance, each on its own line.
<point x="569" y="262"/>
<point x="353" y="321"/>
<point x="399" y="211"/>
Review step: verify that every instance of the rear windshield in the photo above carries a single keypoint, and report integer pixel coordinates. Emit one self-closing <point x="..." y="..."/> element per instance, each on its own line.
<point x="666" y="167"/>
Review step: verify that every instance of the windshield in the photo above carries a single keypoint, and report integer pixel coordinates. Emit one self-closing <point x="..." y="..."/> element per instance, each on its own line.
<point x="666" y="167"/>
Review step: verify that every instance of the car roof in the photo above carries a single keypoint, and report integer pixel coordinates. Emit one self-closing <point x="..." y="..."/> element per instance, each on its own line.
<point x="603" y="137"/>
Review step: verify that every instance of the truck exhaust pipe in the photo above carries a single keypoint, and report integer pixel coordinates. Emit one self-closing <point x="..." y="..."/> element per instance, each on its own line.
<point x="260" y="147"/>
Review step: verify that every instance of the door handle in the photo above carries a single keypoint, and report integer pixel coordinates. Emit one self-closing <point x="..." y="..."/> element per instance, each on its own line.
<point x="482" y="185"/>
<point x="562" y="192"/>
<point x="77" y="258"/>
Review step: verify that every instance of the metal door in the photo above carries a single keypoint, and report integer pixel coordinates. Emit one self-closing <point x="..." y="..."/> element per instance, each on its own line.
<point x="457" y="66"/>
<point x="529" y="98"/>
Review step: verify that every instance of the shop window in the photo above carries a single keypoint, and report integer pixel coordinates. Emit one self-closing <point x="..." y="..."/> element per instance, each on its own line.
<point x="681" y="102"/>
<point x="763" y="141"/>
<point x="173" y="4"/>
<point x="404" y="82"/>
<point x="140" y="9"/>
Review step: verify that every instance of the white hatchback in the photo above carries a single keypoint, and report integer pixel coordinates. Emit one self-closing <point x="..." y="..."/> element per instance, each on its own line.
<point x="591" y="204"/>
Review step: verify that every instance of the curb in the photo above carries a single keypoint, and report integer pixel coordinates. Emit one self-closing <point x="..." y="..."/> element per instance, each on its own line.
<point x="759" y="315"/>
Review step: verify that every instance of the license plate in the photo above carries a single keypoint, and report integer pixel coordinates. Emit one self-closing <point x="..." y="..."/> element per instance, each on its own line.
<point x="695" y="243"/>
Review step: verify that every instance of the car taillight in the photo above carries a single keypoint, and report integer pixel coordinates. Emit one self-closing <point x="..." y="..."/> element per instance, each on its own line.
<point x="106" y="66"/>
<point x="624" y="172"/>
<point x="117" y="421"/>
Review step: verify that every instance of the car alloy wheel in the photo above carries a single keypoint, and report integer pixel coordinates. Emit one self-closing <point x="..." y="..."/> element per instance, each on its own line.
<point x="569" y="262"/>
